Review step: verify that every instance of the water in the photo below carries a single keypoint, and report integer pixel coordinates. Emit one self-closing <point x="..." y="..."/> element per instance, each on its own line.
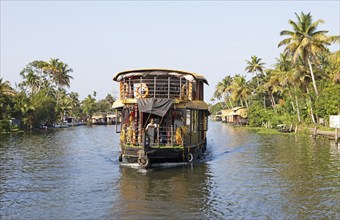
<point x="74" y="174"/>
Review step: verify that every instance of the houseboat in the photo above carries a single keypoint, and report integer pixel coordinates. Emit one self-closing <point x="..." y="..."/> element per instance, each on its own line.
<point x="235" y="116"/>
<point x="218" y="116"/>
<point x="162" y="115"/>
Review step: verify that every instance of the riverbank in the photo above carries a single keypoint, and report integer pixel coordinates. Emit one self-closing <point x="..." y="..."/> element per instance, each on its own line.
<point x="310" y="131"/>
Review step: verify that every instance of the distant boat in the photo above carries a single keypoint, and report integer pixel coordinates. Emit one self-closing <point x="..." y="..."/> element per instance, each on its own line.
<point x="99" y="118"/>
<point x="218" y="116"/>
<point x="63" y="125"/>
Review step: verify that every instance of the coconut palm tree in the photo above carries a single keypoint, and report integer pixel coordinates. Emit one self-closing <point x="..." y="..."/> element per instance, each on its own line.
<point x="222" y="89"/>
<point x="31" y="80"/>
<point x="75" y="104"/>
<point x="89" y="106"/>
<point x="255" y="66"/>
<point x="5" y="88"/>
<point x="305" y="42"/>
<point x="239" y="89"/>
<point x="65" y="105"/>
<point x="59" y="73"/>
<point x="273" y="86"/>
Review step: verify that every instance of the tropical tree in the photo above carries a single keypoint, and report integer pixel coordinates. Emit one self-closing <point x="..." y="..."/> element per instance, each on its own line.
<point x="305" y="42"/>
<point x="6" y="89"/>
<point x="239" y="89"/>
<point x="6" y="99"/>
<point x="59" y="75"/>
<point x="289" y="79"/>
<point x="273" y="86"/>
<point x="65" y="105"/>
<point x="74" y="104"/>
<point x="222" y="89"/>
<point x="31" y="80"/>
<point x="255" y="66"/>
<point x="89" y="106"/>
<point x="23" y="105"/>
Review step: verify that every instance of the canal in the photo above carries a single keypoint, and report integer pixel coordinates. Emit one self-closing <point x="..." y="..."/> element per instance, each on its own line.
<point x="74" y="174"/>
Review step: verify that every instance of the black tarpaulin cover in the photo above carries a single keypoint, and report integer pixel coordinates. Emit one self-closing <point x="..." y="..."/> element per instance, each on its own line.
<point x="156" y="106"/>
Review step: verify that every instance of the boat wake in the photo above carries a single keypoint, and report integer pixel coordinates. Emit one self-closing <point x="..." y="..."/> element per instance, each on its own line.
<point x="211" y="156"/>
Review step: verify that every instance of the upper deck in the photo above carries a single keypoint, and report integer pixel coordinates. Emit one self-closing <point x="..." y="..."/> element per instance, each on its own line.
<point x="161" y="83"/>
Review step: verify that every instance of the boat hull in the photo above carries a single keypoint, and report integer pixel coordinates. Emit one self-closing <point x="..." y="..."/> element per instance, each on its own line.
<point x="161" y="154"/>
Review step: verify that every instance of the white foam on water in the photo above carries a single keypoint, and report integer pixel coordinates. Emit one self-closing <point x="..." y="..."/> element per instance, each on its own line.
<point x="154" y="165"/>
<point x="131" y="165"/>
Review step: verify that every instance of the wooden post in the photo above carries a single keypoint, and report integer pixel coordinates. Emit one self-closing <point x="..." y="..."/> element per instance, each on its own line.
<point x="171" y="136"/>
<point x="315" y="132"/>
<point x="154" y="87"/>
<point x="168" y="87"/>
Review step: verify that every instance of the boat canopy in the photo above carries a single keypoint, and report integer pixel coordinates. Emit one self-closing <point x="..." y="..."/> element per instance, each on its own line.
<point x="156" y="106"/>
<point x="117" y="104"/>
<point x="190" y="76"/>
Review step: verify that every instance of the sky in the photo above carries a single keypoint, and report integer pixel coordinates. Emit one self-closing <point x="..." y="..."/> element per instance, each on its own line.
<point x="97" y="39"/>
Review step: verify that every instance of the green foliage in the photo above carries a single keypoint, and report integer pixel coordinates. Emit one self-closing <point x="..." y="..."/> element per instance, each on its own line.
<point x="258" y="115"/>
<point x="217" y="107"/>
<point x="302" y="87"/>
<point x="89" y="106"/>
<point x="328" y="103"/>
<point x="105" y="105"/>
<point x="5" y="126"/>
<point x="44" y="109"/>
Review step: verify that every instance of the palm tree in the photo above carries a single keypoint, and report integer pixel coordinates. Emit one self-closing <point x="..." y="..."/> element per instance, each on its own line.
<point x="284" y="63"/>
<point x="273" y="85"/>
<point x="89" y="106"/>
<point x="222" y="89"/>
<point x="5" y="88"/>
<point x="288" y="80"/>
<point x="75" y="104"/>
<point x="65" y="105"/>
<point x="255" y="66"/>
<point x="59" y="73"/>
<point x="109" y="99"/>
<point x="239" y="89"/>
<point x="31" y="80"/>
<point x="305" y="42"/>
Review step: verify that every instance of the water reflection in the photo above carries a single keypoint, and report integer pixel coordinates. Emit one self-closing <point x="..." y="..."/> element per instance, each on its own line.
<point x="180" y="192"/>
<point x="308" y="174"/>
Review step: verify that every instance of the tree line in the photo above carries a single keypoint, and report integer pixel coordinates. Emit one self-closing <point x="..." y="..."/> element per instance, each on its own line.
<point x="303" y="86"/>
<point x="41" y="98"/>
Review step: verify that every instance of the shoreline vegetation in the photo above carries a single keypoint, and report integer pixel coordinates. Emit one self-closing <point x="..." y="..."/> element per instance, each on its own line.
<point x="41" y="101"/>
<point x="301" y="89"/>
<point x="319" y="132"/>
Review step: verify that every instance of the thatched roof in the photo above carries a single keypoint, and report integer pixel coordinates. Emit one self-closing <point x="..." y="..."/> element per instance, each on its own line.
<point x="242" y="111"/>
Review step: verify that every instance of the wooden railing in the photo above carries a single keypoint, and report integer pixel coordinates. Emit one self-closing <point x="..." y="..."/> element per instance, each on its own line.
<point x="156" y="87"/>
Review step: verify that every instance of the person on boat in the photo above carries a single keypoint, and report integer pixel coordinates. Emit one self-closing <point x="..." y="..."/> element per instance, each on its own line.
<point x="151" y="124"/>
<point x="151" y="130"/>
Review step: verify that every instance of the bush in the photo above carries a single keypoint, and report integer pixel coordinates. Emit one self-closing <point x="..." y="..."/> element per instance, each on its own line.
<point x="5" y="126"/>
<point x="258" y="115"/>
